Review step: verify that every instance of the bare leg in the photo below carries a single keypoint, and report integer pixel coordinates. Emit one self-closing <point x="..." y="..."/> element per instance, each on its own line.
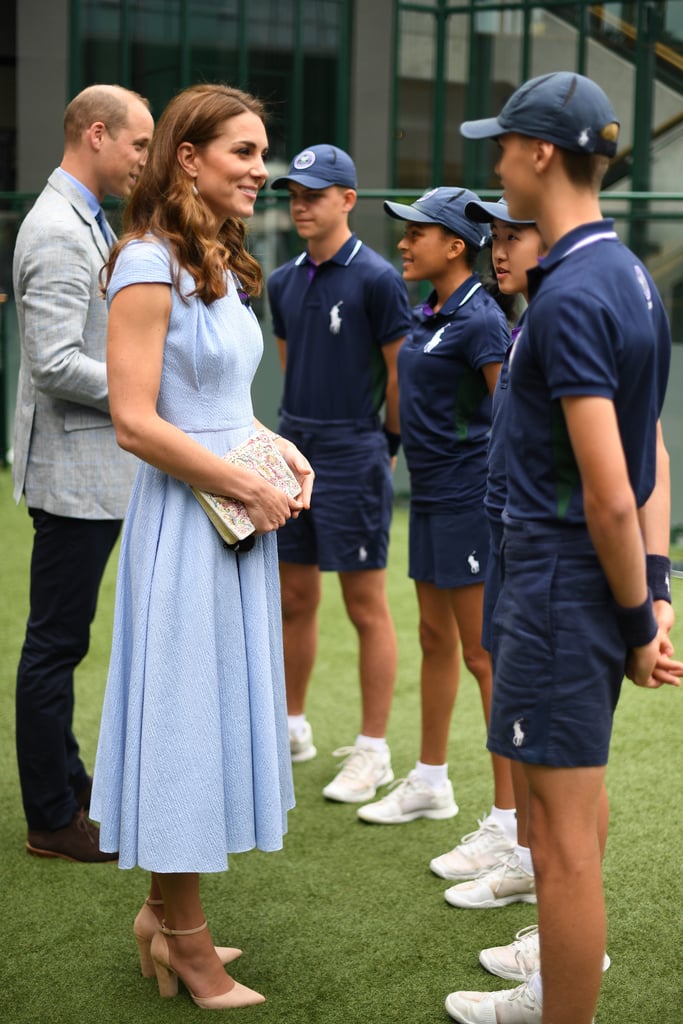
<point x="566" y="807"/>
<point x="366" y="603"/>
<point x="193" y="956"/>
<point x="300" y="587"/>
<point x="520" y="787"/>
<point x="467" y="604"/>
<point x="439" y="670"/>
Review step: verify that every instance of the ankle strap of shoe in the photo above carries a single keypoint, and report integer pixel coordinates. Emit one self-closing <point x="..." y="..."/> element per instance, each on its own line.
<point x="154" y="903"/>
<point x="182" y="931"/>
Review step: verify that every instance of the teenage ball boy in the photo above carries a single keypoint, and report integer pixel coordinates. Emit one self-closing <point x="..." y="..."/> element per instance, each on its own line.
<point x="587" y="382"/>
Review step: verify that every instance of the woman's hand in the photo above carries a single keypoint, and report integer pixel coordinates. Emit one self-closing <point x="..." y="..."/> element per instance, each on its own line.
<point x="301" y="468"/>
<point x="268" y="507"/>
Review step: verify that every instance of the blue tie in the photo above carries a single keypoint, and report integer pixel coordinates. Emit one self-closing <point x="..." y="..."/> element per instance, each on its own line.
<point x="107" y="232"/>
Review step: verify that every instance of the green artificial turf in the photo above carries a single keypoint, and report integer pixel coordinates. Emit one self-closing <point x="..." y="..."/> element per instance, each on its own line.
<point x="346" y="925"/>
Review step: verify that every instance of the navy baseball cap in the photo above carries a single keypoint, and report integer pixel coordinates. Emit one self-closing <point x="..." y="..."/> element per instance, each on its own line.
<point x="444" y="206"/>
<point x="319" y="167"/>
<point x="562" y="107"/>
<point x="484" y="213"/>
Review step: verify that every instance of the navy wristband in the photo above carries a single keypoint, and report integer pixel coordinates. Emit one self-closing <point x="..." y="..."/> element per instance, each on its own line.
<point x="638" y="625"/>
<point x="393" y="441"/>
<point x="659" y="577"/>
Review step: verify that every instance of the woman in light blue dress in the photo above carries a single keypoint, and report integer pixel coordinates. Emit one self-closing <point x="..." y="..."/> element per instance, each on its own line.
<point x="193" y="757"/>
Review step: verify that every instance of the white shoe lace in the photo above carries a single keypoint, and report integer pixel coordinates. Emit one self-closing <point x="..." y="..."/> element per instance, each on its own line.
<point x="400" y="789"/>
<point x="521" y="992"/>
<point x="358" y="762"/>
<point x="487" y="833"/>
<point x="525" y="948"/>
<point x="526" y="937"/>
<point x="498" y="872"/>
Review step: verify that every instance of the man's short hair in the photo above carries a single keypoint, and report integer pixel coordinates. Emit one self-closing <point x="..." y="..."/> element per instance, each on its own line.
<point x="106" y="103"/>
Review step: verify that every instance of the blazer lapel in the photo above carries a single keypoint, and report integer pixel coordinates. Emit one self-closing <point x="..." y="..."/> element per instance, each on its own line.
<point x="65" y="188"/>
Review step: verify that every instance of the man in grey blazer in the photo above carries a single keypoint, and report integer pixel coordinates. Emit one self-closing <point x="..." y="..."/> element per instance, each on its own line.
<point x="67" y="464"/>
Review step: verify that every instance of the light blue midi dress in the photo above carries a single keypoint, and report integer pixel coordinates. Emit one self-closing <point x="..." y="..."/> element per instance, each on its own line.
<point x="193" y="756"/>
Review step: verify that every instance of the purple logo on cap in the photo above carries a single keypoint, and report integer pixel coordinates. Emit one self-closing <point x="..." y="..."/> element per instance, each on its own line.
<point x="304" y="160"/>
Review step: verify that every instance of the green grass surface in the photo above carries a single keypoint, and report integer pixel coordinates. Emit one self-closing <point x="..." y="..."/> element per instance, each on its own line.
<point x="346" y="924"/>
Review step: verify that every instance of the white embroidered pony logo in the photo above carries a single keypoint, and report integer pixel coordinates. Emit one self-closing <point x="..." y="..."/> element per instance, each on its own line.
<point x="435" y="339"/>
<point x="473" y="564"/>
<point x="518" y="733"/>
<point x="335" y="318"/>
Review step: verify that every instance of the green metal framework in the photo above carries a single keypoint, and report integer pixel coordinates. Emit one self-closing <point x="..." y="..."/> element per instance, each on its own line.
<point x="645" y="31"/>
<point x="242" y="72"/>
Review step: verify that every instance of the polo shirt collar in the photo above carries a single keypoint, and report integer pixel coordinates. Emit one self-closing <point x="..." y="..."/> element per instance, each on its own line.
<point x="458" y="298"/>
<point x="342" y="257"/>
<point x="577" y="238"/>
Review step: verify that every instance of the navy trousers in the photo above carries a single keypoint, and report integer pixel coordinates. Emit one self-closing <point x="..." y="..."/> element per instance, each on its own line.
<point x="68" y="561"/>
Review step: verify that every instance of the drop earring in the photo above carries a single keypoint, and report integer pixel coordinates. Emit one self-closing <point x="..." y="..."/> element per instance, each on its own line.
<point x="195" y="190"/>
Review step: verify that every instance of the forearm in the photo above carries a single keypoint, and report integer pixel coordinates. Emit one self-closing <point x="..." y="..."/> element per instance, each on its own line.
<point x="616" y="536"/>
<point x="171" y="450"/>
<point x="655" y="515"/>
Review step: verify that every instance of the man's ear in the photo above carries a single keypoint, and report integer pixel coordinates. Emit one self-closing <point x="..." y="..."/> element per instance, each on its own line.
<point x="542" y="153"/>
<point x="350" y="197"/>
<point x="95" y="134"/>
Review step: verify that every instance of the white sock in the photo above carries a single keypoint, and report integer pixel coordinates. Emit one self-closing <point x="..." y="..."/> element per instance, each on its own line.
<point x="433" y="775"/>
<point x="506" y="817"/>
<point x="524" y="854"/>
<point x="295" y="723"/>
<point x="376" y="743"/>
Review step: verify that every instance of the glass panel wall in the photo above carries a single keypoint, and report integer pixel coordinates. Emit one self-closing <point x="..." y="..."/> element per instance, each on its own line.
<point x="291" y="53"/>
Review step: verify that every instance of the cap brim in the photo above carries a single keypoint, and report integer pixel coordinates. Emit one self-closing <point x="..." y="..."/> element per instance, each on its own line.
<point x="484" y="213"/>
<point x="487" y="128"/>
<point x="402" y="212"/>
<point x="307" y="180"/>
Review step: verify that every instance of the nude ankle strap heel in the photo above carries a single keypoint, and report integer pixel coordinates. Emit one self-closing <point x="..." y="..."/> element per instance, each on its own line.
<point x="167" y="976"/>
<point x="145" y="927"/>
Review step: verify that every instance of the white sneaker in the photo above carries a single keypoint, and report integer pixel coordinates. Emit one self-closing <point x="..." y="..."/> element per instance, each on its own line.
<point x="409" y="799"/>
<point x="505" y="883"/>
<point x="476" y="852"/>
<point x="361" y="773"/>
<point x="518" y="960"/>
<point x="509" y="1006"/>
<point x="301" y="743"/>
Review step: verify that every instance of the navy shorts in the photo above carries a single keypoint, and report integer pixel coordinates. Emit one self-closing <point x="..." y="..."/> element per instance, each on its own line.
<point x="491" y="586"/>
<point x="347" y="525"/>
<point x="559" y="660"/>
<point x="448" y="549"/>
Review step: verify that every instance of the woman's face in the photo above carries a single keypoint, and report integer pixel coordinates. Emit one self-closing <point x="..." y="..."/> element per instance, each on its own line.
<point x="425" y="250"/>
<point x="231" y="169"/>
<point x="515" y="249"/>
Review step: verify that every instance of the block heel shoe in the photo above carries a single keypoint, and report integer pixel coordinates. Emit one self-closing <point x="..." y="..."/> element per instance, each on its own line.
<point x="167" y="976"/>
<point x="145" y="927"/>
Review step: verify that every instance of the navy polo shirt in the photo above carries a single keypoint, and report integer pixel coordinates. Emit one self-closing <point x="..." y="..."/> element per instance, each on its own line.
<point x="496" y="478"/>
<point x="445" y="403"/>
<point x="595" y="326"/>
<point x="335" y="317"/>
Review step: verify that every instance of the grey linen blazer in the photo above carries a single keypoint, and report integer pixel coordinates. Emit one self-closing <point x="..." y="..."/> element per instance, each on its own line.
<point x="66" y="459"/>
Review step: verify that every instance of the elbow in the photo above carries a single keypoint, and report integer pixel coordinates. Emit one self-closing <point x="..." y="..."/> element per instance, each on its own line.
<point x="609" y="512"/>
<point x="129" y="436"/>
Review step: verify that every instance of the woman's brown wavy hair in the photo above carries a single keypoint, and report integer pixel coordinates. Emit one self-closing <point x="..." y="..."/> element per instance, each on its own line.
<point x="164" y="204"/>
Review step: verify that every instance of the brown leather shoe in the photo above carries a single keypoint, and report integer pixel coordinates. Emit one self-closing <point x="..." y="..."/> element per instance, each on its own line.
<point x="78" y="841"/>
